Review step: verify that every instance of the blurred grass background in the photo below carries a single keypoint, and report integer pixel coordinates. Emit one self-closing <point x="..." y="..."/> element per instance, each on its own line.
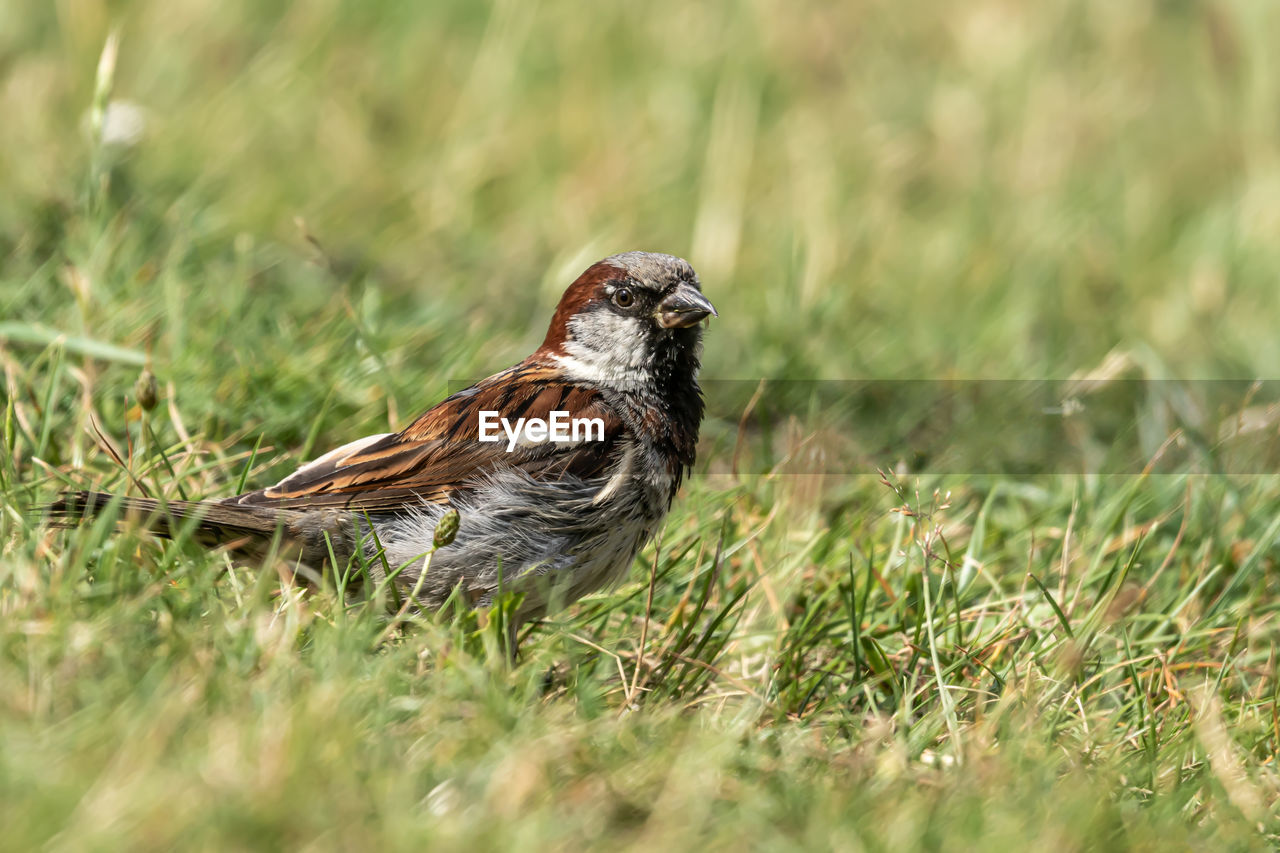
<point x="338" y="207"/>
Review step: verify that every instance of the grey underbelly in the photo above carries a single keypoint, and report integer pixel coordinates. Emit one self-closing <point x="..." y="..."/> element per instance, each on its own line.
<point x="544" y="541"/>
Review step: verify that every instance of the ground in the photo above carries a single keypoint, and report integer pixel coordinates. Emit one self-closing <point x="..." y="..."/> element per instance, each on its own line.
<point x="313" y="220"/>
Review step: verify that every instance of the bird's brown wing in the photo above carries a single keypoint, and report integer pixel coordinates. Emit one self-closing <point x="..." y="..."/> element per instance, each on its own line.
<point x="440" y="453"/>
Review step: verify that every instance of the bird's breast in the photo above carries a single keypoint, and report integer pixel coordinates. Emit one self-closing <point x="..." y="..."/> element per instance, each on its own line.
<point x="641" y="477"/>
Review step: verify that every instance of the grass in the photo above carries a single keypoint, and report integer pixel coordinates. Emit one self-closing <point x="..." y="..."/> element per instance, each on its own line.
<point x="340" y="209"/>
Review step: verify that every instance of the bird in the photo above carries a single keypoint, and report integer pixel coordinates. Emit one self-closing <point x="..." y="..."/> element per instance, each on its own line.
<point x="551" y="514"/>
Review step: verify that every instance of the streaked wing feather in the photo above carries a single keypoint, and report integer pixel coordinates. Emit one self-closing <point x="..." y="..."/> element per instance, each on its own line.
<point x="328" y="463"/>
<point x="440" y="453"/>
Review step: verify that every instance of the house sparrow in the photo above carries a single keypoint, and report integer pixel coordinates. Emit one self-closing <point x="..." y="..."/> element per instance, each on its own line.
<point x="554" y="518"/>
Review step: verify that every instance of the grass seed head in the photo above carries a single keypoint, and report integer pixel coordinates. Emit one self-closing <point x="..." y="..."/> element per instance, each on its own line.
<point x="147" y="390"/>
<point x="446" y="529"/>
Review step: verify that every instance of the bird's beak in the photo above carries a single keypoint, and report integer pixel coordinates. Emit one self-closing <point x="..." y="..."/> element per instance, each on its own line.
<point x="683" y="307"/>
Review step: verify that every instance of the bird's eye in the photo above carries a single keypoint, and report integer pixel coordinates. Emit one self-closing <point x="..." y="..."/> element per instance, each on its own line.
<point x="623" y="297"/>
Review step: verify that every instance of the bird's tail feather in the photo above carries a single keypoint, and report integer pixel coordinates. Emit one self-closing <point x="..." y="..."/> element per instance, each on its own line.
<point x="242" y="527"/>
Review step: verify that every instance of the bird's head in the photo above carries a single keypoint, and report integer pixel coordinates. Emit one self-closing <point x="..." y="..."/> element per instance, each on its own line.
<point x="631" y="319"/>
